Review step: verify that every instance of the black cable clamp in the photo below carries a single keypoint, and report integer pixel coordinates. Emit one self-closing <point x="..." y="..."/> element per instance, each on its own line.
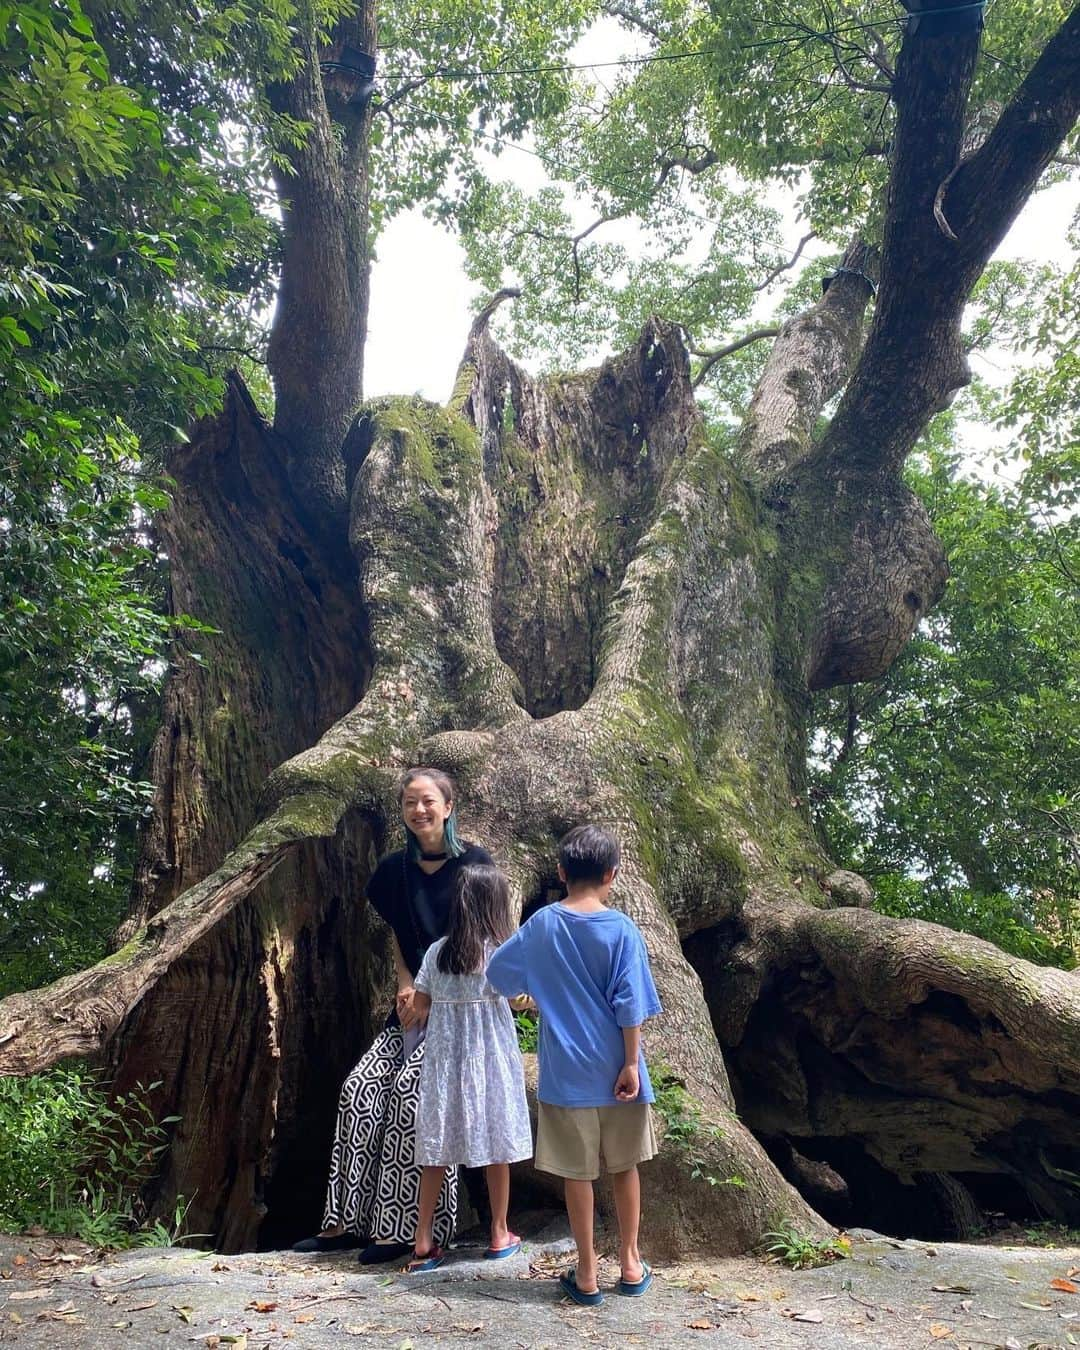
<point x="830" y="277"/>
<point x="946" y="19"/>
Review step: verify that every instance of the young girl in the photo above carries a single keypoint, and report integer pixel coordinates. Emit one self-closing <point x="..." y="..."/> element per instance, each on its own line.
<point x="472" y="1109"/>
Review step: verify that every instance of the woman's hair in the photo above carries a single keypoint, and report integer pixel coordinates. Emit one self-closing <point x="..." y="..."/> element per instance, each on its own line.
<point x="454" y="847"/>
<point x="479" y="915"/>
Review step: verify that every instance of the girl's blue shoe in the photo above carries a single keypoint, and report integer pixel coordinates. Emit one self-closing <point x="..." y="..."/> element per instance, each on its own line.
<point x="431" y="1261"/>
<point x="501" y="1253"/>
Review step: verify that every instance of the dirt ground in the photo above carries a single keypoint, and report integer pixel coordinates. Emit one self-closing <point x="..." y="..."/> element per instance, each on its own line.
<point x="889" y="1294"/>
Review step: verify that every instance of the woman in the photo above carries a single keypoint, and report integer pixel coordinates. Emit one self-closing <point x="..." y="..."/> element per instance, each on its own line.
<point x="373" y="1193"/>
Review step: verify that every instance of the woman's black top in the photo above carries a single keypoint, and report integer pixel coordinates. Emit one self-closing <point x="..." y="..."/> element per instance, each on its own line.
<point x="414" y="904"/>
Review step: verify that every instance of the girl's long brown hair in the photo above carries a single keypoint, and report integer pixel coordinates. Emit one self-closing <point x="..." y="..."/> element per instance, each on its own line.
<point x="479" y="914"/>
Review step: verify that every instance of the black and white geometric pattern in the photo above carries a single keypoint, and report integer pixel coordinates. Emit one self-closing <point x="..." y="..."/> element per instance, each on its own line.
<point x="374" y="1185"/>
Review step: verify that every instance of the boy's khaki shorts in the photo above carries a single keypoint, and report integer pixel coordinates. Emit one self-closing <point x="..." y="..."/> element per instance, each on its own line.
<point x="570" y="1139"/>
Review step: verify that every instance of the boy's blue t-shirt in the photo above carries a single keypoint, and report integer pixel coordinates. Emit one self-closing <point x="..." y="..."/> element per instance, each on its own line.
<point x="589" y="975"/>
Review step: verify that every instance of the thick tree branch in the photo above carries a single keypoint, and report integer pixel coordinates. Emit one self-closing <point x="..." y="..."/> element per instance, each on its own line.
<point x="991" y="186"/>
<point x="913" y="360"/>
<point x="80" y="1013"/>
<point x="316" y="346"/>
<point x="809" y="362"/>
<point x="874" y="588"/>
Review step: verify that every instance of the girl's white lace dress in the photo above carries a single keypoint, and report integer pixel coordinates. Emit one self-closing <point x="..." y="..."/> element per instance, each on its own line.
<point x="472" y="1085"/>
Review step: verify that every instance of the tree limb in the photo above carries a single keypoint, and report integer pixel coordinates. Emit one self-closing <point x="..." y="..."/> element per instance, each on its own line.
<point x="913" y="360"/>
<point x="787" y="266"/>
<point x="710" y="358"/>
<point x="316" y="347"/>
<point x="992" y="185"/>
<point x="808" y="364"/>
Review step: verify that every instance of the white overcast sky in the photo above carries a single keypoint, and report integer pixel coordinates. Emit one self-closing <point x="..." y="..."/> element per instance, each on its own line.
<point x="421" y="300"/>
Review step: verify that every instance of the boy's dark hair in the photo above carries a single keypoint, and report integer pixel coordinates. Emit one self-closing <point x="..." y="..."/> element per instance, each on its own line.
<point x="588" y="853"/>
<point x="479" y="914"/>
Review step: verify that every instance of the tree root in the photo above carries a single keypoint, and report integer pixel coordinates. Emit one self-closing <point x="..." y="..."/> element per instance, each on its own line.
<point x="929" y="1052"/>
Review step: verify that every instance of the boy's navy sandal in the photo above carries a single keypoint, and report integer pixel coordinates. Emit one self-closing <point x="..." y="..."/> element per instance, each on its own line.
<point x="568" y="1284"/>
<point x="375" y="1253"/>
<point x="639" y="1287"/>
<point x="337" y="1242"/>
<point x="434" y="1258"/>
<point x="501" y="1253"/>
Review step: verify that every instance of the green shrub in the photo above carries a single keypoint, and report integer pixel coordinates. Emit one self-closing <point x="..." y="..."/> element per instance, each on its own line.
<point x="683" y="1126"/>
<point x="528" y="1032"/>
<point x="74" y="1158"/>
<point x="792" y="1248"/>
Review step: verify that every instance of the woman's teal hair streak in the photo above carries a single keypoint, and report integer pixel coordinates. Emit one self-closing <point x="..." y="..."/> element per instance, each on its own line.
<point x="454" y="847"/>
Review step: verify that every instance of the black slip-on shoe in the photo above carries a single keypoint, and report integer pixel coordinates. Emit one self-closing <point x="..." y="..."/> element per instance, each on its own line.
<point x="377" y="1252"/>
<point x="337" y="1242"/>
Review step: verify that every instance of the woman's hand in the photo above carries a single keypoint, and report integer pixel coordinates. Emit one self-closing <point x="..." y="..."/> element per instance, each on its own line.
<point x="421" y="1006"/>
<point x="403" y="1003"/>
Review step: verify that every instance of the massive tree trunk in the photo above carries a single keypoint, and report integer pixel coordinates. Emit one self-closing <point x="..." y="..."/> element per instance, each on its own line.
<point x="562" y="593"/>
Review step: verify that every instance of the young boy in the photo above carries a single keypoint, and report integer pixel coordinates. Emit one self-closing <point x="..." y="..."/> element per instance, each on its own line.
<point x="586" y="967"/>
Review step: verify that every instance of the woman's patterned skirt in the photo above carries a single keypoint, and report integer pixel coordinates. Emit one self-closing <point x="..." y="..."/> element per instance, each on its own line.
<point x="374" y="1186"/>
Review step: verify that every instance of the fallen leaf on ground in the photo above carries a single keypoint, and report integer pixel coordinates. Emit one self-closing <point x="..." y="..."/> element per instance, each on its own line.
<point x="748" y="1296"/>
<point x="20" y="1260"/>
<point x="807" y="1315"/>
<point x="142" y="1307"/>
<point x="121" y="1326"/>
<point x="256" y="1305"/>
<point x="65" y="1313"/>
<point x="470" y="1327"/>
<point x="100" y="1281"/>
<point x="700" y="1324"/>
<point x="939" y="1331"/>
<point x="219" y="1265"/>
<point x="1035" y="1307"/>
<point x="28" y="1293"/>
<point x="183" y="1313"/>
<point x="1066" y="1286"/>
<point x="952" y="1289"/>
<point x="304" y="1317"/>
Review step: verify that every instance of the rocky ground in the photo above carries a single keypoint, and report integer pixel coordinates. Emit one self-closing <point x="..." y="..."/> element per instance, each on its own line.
<point x="888" y="1294"/>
